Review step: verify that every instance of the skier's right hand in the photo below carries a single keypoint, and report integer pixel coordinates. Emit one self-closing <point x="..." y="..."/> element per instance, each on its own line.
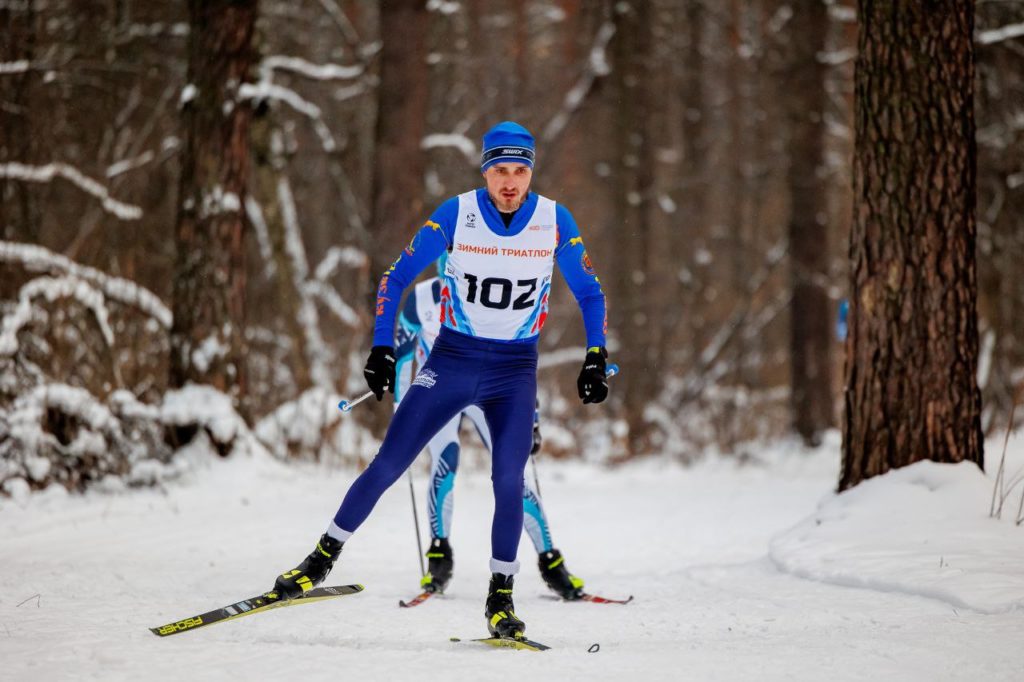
<point x="380" y="370"/>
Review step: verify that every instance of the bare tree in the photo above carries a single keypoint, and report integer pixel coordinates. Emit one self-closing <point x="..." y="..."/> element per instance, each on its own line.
<point x="912" y="351"/>
<point x="208" y="342"/>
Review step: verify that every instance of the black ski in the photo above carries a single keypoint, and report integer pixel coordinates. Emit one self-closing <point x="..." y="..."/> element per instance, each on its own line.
<point x="520" y="643"/>
<point x="247" y="607"/>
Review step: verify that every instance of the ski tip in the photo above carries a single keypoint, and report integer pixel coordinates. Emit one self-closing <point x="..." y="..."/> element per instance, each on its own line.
<point x="415" y="601"/>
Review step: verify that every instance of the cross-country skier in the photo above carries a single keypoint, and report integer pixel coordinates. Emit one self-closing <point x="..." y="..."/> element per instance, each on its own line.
<point x="502" y="242"/>
<point x="418" y="326"/>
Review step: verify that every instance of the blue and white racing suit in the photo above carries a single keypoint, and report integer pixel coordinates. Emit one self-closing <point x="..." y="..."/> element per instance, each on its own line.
<point x="494" y="300"/>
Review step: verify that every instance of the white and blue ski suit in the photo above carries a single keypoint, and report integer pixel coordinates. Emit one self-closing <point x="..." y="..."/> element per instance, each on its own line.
<point x="494" y="300"/>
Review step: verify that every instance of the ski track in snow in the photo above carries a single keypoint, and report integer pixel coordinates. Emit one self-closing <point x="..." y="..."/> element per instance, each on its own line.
<point x="699" y="548"/>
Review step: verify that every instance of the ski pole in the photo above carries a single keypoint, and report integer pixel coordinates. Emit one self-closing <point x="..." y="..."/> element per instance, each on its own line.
<point x="416" y="522"/>
<point x="536" y="481"/>
<point x="346" y="406"/>
<point x="610" y="371"/>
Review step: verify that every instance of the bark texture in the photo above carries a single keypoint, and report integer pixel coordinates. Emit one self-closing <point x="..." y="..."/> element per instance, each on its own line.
<point x="912" y="351"/>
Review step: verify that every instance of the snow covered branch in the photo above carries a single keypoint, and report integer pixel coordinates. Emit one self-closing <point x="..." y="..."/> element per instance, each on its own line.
<point x="998" y="35"/>
<point x="309" y="319"/>
<point x="323" y="72"/>
<point x="259" y="224"/>
<point x="264" y="89"/>
<point x="29" y="408"/>
<point x="52" y="288"/>
<point x="455" y="140"/>
<point x="39" y="259"/>
<point x="330" y="298"/>
<point x="170" y="144"/>
<point x="19" y="66"/>
<point x="336" y="256"/>
<point x="20" y="171"/>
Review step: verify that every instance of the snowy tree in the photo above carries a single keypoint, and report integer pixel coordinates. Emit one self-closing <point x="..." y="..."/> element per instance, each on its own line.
<point x="912" y="352"/>
<point x="208" y="342"/>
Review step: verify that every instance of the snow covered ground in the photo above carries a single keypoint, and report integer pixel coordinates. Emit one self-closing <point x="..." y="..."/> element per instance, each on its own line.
<point x="756" y="572"/>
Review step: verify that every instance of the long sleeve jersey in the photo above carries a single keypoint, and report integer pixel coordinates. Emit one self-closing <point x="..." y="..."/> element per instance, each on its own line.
<point x="446" y="230"/>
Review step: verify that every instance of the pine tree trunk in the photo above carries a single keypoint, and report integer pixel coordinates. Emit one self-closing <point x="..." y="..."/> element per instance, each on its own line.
<point x="19" y="220"/>
<point x="810" y="307"/>
<point x="209" y="283"/>
<point x="912" y="350"/>
<point x="401" y="124"/>
<point x="633" y="180"/>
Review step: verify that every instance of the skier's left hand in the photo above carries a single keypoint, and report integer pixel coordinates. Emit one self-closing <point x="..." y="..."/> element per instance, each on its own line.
<point x="380" y="370"/>
<point x="592" y="383"/>
<point x="535" y="448"/>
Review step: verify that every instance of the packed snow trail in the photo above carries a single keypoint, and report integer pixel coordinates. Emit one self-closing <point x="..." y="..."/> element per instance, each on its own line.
<point x="83" y="578"/>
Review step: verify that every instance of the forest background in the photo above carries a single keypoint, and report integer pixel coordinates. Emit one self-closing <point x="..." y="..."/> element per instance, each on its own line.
<point x="705" y="149"/>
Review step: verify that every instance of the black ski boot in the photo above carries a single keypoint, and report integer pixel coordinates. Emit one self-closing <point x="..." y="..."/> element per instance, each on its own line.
<point x="501" y="621"/>
<point x="440" y="563"/>
<point x="557" y="576"/>
<point x="312" y="571"/>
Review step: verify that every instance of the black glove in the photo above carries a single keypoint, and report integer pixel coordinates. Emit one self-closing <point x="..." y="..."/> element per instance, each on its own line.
<point x="380" y="370"/>
<point x="535" y="448"/>
<point x="593" y="384"/>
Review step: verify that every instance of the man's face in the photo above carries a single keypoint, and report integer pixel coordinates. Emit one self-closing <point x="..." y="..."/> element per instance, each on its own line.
<point x="507" y="184"/>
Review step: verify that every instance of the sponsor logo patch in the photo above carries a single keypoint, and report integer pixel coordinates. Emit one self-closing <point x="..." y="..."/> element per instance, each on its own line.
<point x="588" y="267"/>
<point x="426" y="378"/>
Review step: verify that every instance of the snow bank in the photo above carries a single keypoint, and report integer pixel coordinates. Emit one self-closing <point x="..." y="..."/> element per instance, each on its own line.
<point x="56" y="433"/>
<point x="214" y="411"/>
<point x="920" y="530"/>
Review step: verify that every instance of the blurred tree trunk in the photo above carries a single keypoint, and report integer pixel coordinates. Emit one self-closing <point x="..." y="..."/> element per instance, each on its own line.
<point x="912" y="351"/>
<point x="633" y="180"/>
<point x="207" y="338"/>
<point x="267" y="165"/>
<point x="1000" y="108"/>
<point x="401" y="123"/>
<point x="810" y="307"/>
<point x="18" y="220"/>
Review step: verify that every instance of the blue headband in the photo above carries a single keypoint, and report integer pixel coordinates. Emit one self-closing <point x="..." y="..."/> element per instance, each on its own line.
<point x="507" y="142"/>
